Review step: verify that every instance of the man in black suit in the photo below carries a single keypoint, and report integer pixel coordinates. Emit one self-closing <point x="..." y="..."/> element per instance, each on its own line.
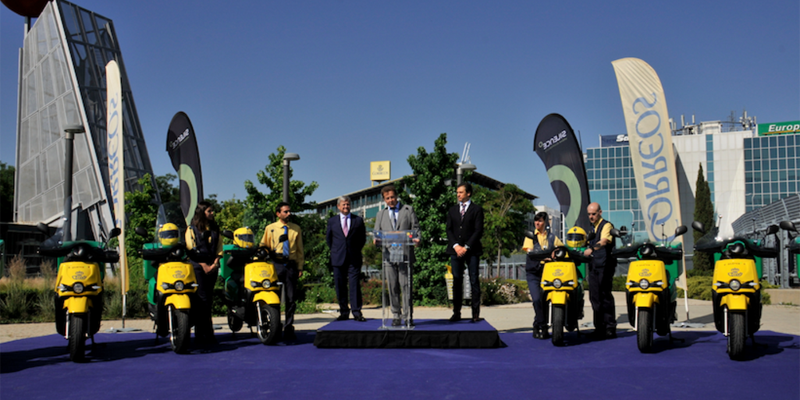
<point x="346" y="235"/>
<point x="464" y="232"/>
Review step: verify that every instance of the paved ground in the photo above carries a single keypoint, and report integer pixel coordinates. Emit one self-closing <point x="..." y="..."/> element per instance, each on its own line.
<point x="506" y="318"/>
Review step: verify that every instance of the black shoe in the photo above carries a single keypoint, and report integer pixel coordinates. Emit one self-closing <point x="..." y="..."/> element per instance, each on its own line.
<point x="288" y="334"/>
<point x="410" y="322"/>
<point x="611" y="334"/>
<point x="598" y="334"/>
<point x="343" y="317"/>
<point x="396" y="322"/>
<point x="359" y="318"/>
<point x="537" y="334"/>
<point x="456" y="317"/>
<point x="476" y="315"/>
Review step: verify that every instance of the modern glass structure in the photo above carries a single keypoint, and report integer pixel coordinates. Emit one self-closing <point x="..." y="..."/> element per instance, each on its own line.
<point x="771" y="169"/>
<point x="613" y="186"/>
<point x="62" y="83"/>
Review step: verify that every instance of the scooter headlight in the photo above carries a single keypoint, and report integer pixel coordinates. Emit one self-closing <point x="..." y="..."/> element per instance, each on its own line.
<point x="266" y="283"/>
<point x="557" y="283"/>
<point x="644" y="284"/>
<point x="735" y="285"/>
<point x="179" y="286"/>
<point x="254" y="284"/>
<point x="77" y="288"/>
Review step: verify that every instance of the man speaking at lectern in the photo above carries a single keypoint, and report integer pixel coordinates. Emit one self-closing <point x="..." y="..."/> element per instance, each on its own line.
<point x="397" y="217"/>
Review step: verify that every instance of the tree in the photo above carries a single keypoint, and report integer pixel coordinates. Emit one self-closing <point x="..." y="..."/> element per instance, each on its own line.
<point x="6" y="192"/>
<point x="168" y="192"/>
<point x="260" y="212"/>
<point x="432" y="198"/>
<point x="504" y="221"/>
<point x="142" y="210"/>
<point x="260" y="207"/>
<point x="703" y="212"/>
<point x="231" y="214"/>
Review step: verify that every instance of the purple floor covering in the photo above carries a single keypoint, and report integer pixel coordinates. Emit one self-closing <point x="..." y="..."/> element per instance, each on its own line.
<point x="132" y="366"/>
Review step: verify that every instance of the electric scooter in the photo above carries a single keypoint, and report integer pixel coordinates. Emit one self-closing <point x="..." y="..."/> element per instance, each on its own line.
<point x="252" y="288"/>
<point x="736" y="291"/>
<point x="171" y="281"/>
<point x="79" y="285"/>
<point x="650" y="285"/>
<point x="562" y="288"/>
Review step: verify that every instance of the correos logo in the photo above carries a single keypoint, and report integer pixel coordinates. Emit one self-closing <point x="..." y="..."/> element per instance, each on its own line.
<point x="553" y="140"/>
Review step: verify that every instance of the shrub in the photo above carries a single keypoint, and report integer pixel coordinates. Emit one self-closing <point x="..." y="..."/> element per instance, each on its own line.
<point x="371" y="292"/>
<point x="501" y="291"/>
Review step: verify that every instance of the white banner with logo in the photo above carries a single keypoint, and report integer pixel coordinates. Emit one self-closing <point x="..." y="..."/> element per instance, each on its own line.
<point x="116" y="166"/>
<point x="650" y="141"/>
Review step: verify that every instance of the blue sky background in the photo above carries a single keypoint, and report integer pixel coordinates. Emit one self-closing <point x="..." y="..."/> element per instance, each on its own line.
<point x="344" y="83"/>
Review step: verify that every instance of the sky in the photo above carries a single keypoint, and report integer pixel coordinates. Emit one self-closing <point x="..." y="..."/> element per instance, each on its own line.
<point x="343" y="83"/>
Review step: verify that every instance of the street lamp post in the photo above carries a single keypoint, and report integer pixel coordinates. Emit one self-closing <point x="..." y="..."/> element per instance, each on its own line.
<point x="287" y="158"/>
<point x="460" y="171"/>
<point x="69" y="139"/>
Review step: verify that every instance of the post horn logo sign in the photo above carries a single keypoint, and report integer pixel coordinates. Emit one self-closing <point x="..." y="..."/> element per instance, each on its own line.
<point x="179" y="275"/>
<point x="645" y="272"/>
<point x="735" y="272"/>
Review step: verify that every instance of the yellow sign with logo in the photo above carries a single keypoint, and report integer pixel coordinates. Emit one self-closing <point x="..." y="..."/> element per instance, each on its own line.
<point x="380" y="171"/>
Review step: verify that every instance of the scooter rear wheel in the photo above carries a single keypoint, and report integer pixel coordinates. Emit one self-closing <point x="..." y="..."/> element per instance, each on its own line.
<point x="558" y="325"/>
<point x="269" y="323"/>
<point x="736" y="335"/>
<point x="644" y="330"/>
<point x="181" y="330"/>
<point x="77" y="337"/>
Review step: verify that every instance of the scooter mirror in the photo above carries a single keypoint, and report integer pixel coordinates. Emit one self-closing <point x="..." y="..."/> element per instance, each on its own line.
<point x="616" y="232"/>
<point x="530" y="235"/>
<point x="772" y="229"/>
<point x="46" y="230"/>
<point x="698" y="226"/>
<point x="623" y="230"/>
<point x="788" y="226"/>
<point x="228" y="234"/>
<point x="141" y="232"/>
<point x="680" y="230"/>
<point x="590" y="236"/>
<point x="114" y="233"/>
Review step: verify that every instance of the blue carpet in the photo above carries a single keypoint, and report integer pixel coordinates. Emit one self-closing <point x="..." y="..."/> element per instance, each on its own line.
<point x="131" y="366"/>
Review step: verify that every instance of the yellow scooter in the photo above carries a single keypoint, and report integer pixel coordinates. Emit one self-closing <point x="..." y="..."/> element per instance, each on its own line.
<point x="79" y="285"/>
<point x="252" y="288"/>
<point x="650" y="286"/>
<point x="736" y="291"/>
<point x="171" y="282"/>
<point x="562" y="288"/>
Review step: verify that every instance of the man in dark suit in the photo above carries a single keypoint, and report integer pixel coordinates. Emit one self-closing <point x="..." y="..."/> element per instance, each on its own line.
<point x="346" y="235"/>
<point x="464" y="232"/>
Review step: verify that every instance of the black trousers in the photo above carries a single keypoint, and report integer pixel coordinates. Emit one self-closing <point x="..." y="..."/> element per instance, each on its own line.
<point x="458" y="264"/>
<point x="346" y="277"/>
<point x="203" y="326"/>
<point x="600" y="283"/>
<point x="539" y="310"/>
<point x="288" y="274"/>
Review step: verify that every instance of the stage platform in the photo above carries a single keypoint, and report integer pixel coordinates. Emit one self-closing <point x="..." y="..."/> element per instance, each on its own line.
<point x="428" y="333"/>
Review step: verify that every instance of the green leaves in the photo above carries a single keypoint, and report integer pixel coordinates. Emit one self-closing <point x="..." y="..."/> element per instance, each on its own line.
<point x="432" y="199"/>
<point x="504" y="220"/>
<point x="703" y="212"/>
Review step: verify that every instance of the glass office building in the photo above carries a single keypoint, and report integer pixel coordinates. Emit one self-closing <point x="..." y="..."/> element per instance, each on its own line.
<point x="612" y="185"/>
<point x="62" y="83"/>
<point x="771" y="169"/>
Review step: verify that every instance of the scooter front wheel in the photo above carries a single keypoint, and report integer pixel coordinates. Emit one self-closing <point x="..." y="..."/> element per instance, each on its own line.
<point x="558" y="325"/>
<point x="644" y="330"/>
<point x="269" y="322"/>
<point x="234" y="322"/>
<point x="77" y="336"/>
<point x="736" y="335"/>
<point x="180" y="330"/>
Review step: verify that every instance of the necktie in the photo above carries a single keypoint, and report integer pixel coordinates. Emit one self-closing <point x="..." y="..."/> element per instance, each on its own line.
<point x="394" y="218"/>
<point x="286" y="243"/>
<point x="344" y="225"/>
<point x="463" y="209"/>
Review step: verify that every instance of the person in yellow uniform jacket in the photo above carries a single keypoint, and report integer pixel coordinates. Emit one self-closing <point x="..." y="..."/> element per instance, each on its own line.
<point x="286" y="240"/>
<point x="203" y="237"/>
<point x="533" y="271"/>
